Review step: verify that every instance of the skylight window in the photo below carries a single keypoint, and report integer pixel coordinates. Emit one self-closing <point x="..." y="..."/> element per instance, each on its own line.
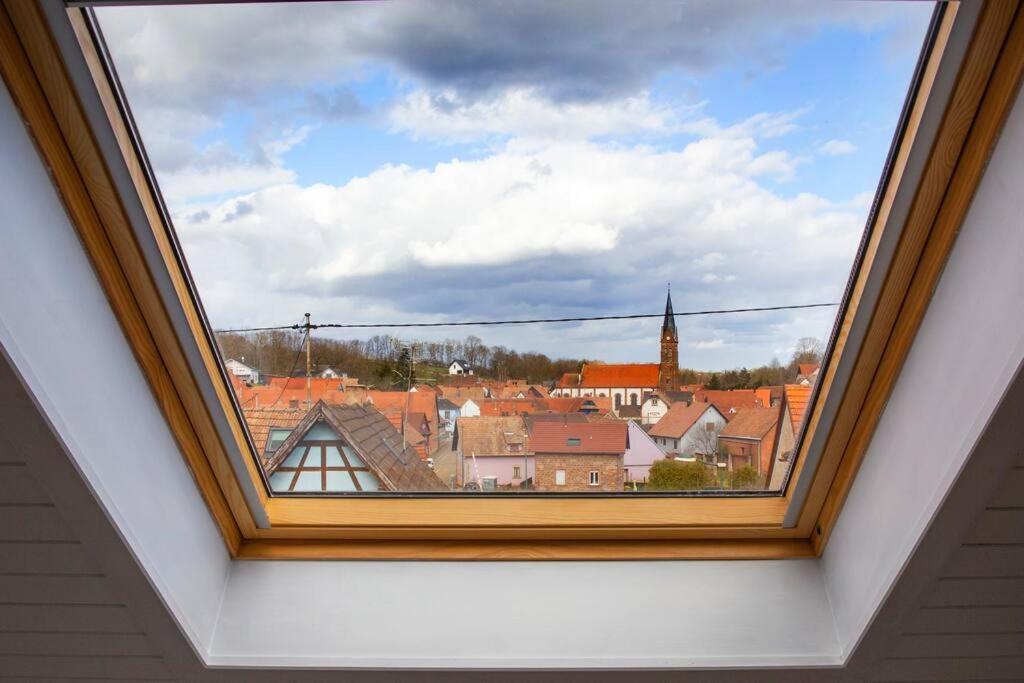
<point x="431" y="236"/>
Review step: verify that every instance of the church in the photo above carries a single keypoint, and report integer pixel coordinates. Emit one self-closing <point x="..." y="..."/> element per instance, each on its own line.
<point x="629" y="383"/>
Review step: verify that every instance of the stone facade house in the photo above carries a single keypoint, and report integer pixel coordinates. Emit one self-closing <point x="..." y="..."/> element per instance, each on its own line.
<point x="579" y="456"/>
<point x="749" y="439"/>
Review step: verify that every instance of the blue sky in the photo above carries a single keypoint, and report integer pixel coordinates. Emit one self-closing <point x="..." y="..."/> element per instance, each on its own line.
<point x="434" y="161"/>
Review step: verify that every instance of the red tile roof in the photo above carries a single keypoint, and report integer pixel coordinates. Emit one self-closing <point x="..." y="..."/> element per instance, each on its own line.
<point x="752" y="423"/>
<point x="797" y="397"/>
<point x="729" y="402"/>
<point x="261" y="420"/>
<point x="594" y="437"/>
<point x="807" y="368"/>
<point x="568" y="379"/>
<point x="679" y="418"/>
<point x="598" y="375"/>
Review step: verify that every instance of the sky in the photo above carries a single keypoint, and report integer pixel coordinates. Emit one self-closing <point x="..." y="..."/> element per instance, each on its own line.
<point x="427" y="161"/>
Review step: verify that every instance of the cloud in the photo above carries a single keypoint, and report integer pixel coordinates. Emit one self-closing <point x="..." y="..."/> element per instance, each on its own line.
<point x="205" y="58"/>
<point x="704" y="345"/>
<point x="837" y="147"/>
<point x="522" y="112"/>
<point x="218" y="170"/>
<point x="525" y="232"/>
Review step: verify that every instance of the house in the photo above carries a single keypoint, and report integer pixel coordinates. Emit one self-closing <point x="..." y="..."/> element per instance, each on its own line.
<point x="329" y="373"/>
<point x="447" y="413"/>
<point x="794" y="404"/>
<point x="623" y="383"/>
<point x="807" y="374"/>
<point x="242" y="371"/>
<point x="628" y="412"/>
<point x="749" y="439"/>
<point x="629" y="383"/>
<point x="458" y="393"/>
<point x="269" y="427"/>
<point x="730" y="401"/>
<point x="492" y="451"/>
<point x="641" y="453"/>
<point x="338" y="449"/>
<point x="574" y="456"/>
<point x="468" y="407"/>
<point x="459" y="367"/>
<point x="689" y="430"/>
<point x="658" y="403"/>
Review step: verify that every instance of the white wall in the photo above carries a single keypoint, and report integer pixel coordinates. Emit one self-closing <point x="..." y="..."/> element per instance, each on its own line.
<point x="800" y="612"/>
<point x="59" y="331"/>
<point x="970" y="343"/>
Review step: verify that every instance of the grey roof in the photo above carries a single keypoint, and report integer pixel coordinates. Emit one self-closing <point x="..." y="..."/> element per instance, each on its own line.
<point x="445" y="404"/>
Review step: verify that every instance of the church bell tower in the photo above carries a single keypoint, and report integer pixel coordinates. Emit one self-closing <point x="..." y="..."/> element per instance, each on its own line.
<point x="668" y="372"/>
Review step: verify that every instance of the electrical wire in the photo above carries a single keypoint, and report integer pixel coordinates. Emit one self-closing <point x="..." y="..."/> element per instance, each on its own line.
<point x="295" y="364"/>
<point x="534" y="321"/>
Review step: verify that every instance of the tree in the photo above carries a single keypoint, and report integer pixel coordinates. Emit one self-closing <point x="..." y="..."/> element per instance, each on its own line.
<point x="673" y="475"/>
<point x="705" y="441"/>
<point x="714" y="382"/>
<point x="745" y="477"/>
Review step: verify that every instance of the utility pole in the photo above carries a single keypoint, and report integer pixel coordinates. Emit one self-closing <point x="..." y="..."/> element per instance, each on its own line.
<point x="309" y="367"/>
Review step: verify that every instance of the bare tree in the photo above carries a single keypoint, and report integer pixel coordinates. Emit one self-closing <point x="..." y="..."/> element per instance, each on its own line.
<point x="705" y="440"/>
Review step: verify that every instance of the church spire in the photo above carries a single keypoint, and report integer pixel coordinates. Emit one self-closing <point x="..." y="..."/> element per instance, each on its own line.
<point x="669" y="324"/>
<point x="668" y="370"/>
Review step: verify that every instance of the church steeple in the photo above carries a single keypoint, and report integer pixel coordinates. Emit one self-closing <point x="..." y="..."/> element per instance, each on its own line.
<point x="668" y="326"/>
<point x="668" y="371"/>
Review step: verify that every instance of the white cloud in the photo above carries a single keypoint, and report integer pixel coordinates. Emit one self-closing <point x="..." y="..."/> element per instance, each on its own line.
<point x="526" y="230"/>
<point x="837" y="147"/>
<point x="218" y="170"/>
<point x="524" y="113"/>
<point x="705" y="345"/>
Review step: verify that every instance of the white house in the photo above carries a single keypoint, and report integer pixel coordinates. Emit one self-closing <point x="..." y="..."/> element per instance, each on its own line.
<point x="469" y="408"/>
<point x="625" y="384"/>
<point x="658" y="403"/>
<point x="459" y="367"/>
<point x="330" y="373"/>
<point x="448" y="413"/>
<point x="689" y="430"/>
<point x="242" y="371"/>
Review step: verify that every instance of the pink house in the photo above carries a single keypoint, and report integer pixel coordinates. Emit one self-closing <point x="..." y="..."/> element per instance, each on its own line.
<point x="640" y="455"/>
<point x="492" y="451"/>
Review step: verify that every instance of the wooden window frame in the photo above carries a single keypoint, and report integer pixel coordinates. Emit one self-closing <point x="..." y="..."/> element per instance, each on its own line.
<point x="475" y="527"/>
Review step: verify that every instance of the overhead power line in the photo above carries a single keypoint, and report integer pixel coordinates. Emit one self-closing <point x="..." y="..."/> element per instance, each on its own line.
<point x="533" y="321"/>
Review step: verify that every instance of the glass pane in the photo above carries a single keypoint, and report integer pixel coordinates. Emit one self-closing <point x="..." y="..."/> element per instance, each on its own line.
<point x="353" y="459"/>
<point x="368" y="481"/>
<point x="308" y="481"/>
<point x="320" y="432"/>
<point x="277" y="437"/>
<point x="340" y="481"/>
<point x="464" y="166"/>
<point x="313" y="459"/>
<point x="280" y="481"/>
<point x="295" y="457"/>
<point x="334" y="457"/>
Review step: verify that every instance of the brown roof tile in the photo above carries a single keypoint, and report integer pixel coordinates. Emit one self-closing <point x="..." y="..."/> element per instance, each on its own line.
<point x="752" y="423"/>
<point x="483" y="436"/>
<point x="588" y="438"/>
<point x="679" y="418"/>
